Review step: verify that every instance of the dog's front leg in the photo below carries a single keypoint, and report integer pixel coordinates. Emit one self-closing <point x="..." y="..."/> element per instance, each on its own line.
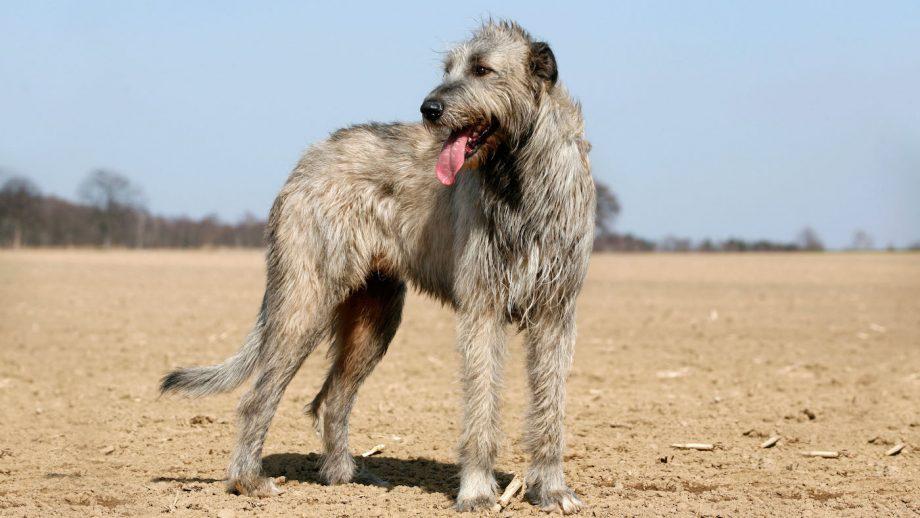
<point x="481" y="341"/>
<point x="550" y="344"/>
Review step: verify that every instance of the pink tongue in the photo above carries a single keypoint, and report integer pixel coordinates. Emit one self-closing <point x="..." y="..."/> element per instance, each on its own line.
<point x="451" y="158"/>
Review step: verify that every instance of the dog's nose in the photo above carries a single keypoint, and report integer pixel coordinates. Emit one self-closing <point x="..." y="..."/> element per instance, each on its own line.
<point x="432" y="109"/>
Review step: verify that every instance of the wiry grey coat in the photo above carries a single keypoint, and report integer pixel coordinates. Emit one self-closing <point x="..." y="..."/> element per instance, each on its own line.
<point x="363" y="214"/>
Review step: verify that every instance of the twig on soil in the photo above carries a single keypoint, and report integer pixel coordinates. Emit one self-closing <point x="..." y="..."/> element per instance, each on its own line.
<point x="516" y="485"/>
<point x="896" y="449"/>
<point x="693" y="446"/>
<point x="374" y="451"/>
<point x="771" y="442"/>
<point x="822" y="454"/>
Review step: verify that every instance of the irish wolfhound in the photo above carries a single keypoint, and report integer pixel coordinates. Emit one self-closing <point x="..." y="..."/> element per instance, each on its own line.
<point x="487" y="206"/>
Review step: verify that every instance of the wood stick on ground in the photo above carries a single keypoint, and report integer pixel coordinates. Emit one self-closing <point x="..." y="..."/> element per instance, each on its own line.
<point x="374" y="451"/>
<point x="822" y="454"/>
<point x="693" y="446"/>
<point x="771" y="442"/>
<point x="896" y="449"/>
<point x="511" y="489"/>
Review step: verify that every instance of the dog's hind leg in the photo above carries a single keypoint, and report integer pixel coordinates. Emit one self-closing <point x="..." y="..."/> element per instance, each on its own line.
<point x="298" y="319"/>
<point x="366" y="322"/>
<point x="550" y="345"/>
<point x="255" y="413"/>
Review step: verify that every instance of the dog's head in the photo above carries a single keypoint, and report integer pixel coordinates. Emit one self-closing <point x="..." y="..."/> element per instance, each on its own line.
<point x="493" y="84"/>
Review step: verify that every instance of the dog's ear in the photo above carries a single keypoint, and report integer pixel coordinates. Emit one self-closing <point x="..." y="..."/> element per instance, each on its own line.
<point x="543" y="62"/>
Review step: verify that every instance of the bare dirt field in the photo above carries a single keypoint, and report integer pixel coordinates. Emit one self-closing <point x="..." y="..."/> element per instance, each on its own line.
<point x="820" y="350"/>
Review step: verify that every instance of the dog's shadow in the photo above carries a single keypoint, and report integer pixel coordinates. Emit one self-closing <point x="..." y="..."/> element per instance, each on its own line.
<point x="427" y="474"/>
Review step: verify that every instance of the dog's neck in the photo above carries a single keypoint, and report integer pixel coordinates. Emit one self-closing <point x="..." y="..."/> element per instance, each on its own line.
<point x="526" y="171"/>
<point x="538" y="199"/>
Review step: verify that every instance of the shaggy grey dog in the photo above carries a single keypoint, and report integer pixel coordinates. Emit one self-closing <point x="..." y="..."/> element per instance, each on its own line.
<point x="488" y="206"/>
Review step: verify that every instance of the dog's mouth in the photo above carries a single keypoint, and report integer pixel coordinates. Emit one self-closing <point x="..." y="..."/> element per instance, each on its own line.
<point x="459" y="146"/>
<point x="478" y="135"/>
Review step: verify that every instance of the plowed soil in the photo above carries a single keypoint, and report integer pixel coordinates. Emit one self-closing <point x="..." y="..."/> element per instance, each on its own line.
<point x="820" y="350"/>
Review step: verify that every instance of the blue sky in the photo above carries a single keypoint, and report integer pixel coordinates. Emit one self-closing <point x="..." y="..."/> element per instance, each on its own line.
<point x="709" y="119"/>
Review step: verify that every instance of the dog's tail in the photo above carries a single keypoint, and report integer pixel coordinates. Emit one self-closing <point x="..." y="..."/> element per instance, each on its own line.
<point x="214" y="379"/>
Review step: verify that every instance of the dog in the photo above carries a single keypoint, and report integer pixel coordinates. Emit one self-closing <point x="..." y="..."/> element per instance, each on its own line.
<point x="486" y="205"/>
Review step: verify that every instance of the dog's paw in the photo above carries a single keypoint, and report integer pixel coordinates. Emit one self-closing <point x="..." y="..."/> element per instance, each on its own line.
<point x="556" y="501"/>
<point x="260" y="487"/>
<point x="477" y="491"/>
<point x="338" y="469"/>
<point x="475" y="503"/>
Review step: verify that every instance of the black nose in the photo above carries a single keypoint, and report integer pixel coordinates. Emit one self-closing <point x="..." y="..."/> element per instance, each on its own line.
<point x="432" y="109"/>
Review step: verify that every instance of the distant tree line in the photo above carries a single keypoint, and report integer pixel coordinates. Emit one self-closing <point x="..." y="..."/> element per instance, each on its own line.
<point x="608" y="239"/>
<point x="807" y="241"/>
<point x="111" y="212"/>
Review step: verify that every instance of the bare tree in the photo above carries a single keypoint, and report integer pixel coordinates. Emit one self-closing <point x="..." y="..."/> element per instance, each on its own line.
<point x="862" y="241"/>
<point x="809" y="240"/>
<point x="140" y="228"/>
<point x="608" y="208"/>
<point x="210" y="230"/>
<point x="116" y="201"/>
<point x="250" y="231"/>
<point x="675" y="244"/>
<point x="19" y="200"/>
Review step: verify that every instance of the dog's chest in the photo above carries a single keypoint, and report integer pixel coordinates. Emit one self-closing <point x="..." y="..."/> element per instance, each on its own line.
<point x="532" y="265"/>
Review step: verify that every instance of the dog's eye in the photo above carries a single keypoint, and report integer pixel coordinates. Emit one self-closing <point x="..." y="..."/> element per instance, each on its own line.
<point x="480" y="70"/>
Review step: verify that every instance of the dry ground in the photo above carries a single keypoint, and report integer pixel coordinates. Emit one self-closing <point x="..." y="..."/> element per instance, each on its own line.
<point x="728" y="349"/>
